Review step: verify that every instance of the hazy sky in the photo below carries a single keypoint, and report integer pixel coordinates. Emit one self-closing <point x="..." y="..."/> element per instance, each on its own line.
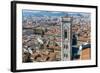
<point x="39" y="13"/>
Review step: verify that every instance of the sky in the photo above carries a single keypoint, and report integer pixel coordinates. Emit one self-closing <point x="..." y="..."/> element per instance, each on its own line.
<point x="38" y="13"/>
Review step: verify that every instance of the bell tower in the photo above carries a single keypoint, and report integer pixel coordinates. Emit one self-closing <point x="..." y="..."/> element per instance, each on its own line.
<point x="66" y="38"/>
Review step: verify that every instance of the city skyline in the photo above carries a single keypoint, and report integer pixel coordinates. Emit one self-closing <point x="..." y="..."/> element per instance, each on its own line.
<point x="45" y="31"/>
